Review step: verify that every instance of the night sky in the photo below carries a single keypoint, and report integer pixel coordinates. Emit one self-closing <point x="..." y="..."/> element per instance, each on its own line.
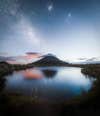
<point x="66" y="28"/>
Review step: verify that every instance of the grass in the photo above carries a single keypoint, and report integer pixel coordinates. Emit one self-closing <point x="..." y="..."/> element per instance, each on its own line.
<point x="91" y="70"/>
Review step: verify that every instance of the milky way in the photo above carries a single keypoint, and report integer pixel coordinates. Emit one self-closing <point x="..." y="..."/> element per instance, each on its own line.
<point x="67" y="28"/>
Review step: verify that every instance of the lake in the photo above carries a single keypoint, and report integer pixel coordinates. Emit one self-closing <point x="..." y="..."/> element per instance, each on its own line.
<point x="54" y="84"/>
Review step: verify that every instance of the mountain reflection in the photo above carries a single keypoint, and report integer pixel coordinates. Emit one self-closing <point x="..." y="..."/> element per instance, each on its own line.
<point x="49" y="73"/>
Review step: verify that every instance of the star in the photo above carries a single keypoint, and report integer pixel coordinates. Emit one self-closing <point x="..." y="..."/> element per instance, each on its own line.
<point x="69" y="15"/>
<point x="50" y="7"/>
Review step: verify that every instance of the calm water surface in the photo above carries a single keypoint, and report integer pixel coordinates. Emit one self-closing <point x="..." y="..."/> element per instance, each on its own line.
<point x="49" y="83"/>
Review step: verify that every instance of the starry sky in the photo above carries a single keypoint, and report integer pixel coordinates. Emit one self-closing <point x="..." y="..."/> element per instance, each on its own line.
<point x="66" y="28"/>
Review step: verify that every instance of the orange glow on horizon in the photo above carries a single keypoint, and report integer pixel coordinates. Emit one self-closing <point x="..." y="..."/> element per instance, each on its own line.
<point x="25" y="58"/>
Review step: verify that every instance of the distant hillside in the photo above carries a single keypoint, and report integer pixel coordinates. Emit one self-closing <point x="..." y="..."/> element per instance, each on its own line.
<point x="3" y="58"/>
<point x="50" y="60"/>
<point x="94" y="60"/>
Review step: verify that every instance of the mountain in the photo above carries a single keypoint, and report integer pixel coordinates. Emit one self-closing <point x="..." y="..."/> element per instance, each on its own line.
<point x="3" y="58"/>
<point x="50" y="60"/>
<point x="94" y="60"/>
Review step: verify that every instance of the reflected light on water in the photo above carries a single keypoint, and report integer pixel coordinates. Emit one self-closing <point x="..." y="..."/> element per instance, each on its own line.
<point x="32" y="74"/>
<point x="75" y="77"/>
<point x="66" y="83"/>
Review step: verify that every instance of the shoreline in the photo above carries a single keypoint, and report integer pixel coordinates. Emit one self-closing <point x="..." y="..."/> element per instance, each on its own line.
<point x="15" y="104"/>
<point x="6" y="68"/>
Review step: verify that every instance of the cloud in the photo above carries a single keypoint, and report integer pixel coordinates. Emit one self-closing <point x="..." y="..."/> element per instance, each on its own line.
<point x="34" y="54"/>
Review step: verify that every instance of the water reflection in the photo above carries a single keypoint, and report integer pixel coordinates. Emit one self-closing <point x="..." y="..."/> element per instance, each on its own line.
<point x="32" y="74"/>
<point x="49" y="73"/>
<point x="63" y="83"/>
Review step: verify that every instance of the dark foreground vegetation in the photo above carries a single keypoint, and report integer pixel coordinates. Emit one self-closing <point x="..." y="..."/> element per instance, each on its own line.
<point x="6" y="68"/>
<point x="18" y="105"/>
<point x="92" y="70"/>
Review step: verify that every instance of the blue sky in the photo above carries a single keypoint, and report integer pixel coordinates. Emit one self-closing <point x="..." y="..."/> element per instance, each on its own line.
<point x="66" y="28"/>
